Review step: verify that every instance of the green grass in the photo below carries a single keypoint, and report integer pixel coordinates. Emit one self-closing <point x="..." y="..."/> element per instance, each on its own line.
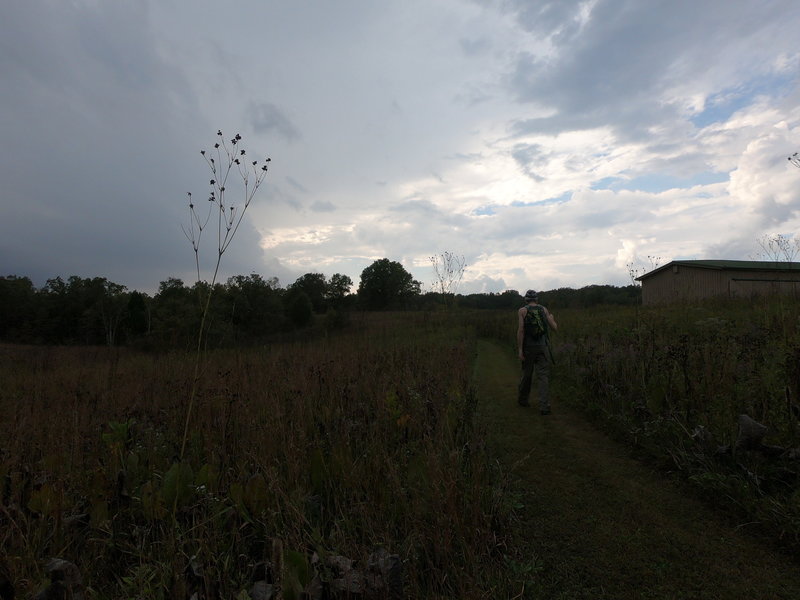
<point x="652" y="376"/>
<point x="592" y="522"/>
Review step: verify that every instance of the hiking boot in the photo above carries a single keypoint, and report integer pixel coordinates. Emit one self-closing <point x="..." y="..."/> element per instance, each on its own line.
<point x="546" y="411"/>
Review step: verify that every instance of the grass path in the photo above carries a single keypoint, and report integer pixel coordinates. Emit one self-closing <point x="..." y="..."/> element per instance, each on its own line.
<point x="595" y="523"/>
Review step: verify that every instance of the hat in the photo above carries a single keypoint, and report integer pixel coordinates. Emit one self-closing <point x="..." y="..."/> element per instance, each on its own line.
<point x="531" y="295"/>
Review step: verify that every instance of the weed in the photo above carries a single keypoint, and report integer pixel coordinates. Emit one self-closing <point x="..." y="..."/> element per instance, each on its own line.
<point x="337" y="445"/>
<point x="653" y="376"/>
<point x="230" y="161"/>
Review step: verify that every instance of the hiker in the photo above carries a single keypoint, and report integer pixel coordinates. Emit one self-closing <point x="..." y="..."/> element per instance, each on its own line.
<point x="535" y="321"/>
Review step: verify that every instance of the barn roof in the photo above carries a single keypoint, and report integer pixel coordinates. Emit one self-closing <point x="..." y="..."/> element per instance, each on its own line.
<point x="728" y="265"/>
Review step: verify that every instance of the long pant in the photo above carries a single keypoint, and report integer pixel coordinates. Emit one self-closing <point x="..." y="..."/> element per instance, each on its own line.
<point x="536" y="368"/>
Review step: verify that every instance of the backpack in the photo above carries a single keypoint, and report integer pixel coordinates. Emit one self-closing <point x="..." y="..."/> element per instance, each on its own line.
<point x="535" y="324"/>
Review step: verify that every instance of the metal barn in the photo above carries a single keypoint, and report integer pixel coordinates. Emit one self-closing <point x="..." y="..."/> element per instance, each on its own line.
<point x="686" y="280"/>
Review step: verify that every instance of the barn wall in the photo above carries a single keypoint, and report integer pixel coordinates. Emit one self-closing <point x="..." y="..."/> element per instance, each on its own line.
<point x="747" y="288"/>
<point x="683" y="283"/>
<point x="679" y="283"/>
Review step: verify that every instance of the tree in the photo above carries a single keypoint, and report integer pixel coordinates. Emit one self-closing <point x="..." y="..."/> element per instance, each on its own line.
<point x="139" y="322"/>
<point x="338" y="288"/>
<point x="255" y="304"/>
<point x="17" y="307"/>
<point x="509" y="299"/>
<point x="58" y="319"/>
<point x="109" y="304"/>
<point x="84" y="310"/>
<point x="175" y="312"/>
<point x="315" y="287"/>
<point x="298" y="307"/>
<point x="386" y="284"/>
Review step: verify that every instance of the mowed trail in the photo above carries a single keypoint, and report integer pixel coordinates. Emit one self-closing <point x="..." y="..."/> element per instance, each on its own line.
<point x="598" y="524"/>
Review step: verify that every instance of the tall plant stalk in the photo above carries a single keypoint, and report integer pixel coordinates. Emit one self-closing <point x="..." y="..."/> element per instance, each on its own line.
<point x="448" y="269"/>
<point x="230" y="161"/>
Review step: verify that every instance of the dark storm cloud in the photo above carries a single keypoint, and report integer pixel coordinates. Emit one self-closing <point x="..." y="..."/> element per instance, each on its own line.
<point x="547" y="18"/>
<point x="105" y="106"/>
<point x="268" y="118"/>
<point x="296" y="184"/>
<point x="613" y="66"/>
<point x="474" y="47"/>
<point x="103" y="150"/>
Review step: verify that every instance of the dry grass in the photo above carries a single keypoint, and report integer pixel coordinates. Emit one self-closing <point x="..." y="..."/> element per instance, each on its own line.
<point x="336" y="446"/>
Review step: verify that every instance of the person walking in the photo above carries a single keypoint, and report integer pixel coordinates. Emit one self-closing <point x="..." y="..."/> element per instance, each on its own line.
<point x="535" y="322"/>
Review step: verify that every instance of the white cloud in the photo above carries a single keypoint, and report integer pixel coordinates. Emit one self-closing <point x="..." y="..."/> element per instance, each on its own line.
<point x="549" y="142"/>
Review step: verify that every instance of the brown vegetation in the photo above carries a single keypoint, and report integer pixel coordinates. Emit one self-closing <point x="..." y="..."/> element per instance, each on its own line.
<point x="332" y="447"/>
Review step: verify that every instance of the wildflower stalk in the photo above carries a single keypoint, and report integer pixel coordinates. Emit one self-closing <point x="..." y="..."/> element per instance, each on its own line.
<point x="230" y="160"/>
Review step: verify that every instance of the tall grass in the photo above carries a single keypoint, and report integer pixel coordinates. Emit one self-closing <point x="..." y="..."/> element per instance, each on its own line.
<point x="365" y="438"/>
<point x="334" y="446"/>
<point x="672" y="381"/>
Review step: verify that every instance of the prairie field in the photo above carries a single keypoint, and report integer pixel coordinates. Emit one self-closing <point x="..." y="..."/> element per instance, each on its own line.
<point x="335" y="445"/>
<point x="301" y="455"/>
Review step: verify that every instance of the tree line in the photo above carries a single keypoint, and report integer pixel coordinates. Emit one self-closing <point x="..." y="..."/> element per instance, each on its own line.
<point x="245" y="309"/>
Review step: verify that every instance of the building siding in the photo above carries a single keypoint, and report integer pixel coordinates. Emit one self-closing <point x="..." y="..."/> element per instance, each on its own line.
<point x="681" y="282"/>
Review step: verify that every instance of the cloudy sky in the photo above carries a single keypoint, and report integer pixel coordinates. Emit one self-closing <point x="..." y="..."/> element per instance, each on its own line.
<point x="550" y="143"/>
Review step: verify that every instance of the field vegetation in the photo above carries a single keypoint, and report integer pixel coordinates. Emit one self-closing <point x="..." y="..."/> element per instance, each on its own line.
<point x="336" y="446"/>
<point x="674" y="382"/>
<point x="361" y="443"/>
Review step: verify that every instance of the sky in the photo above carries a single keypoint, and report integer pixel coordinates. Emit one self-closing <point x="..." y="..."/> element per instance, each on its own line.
<point x="548" y="143"/>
